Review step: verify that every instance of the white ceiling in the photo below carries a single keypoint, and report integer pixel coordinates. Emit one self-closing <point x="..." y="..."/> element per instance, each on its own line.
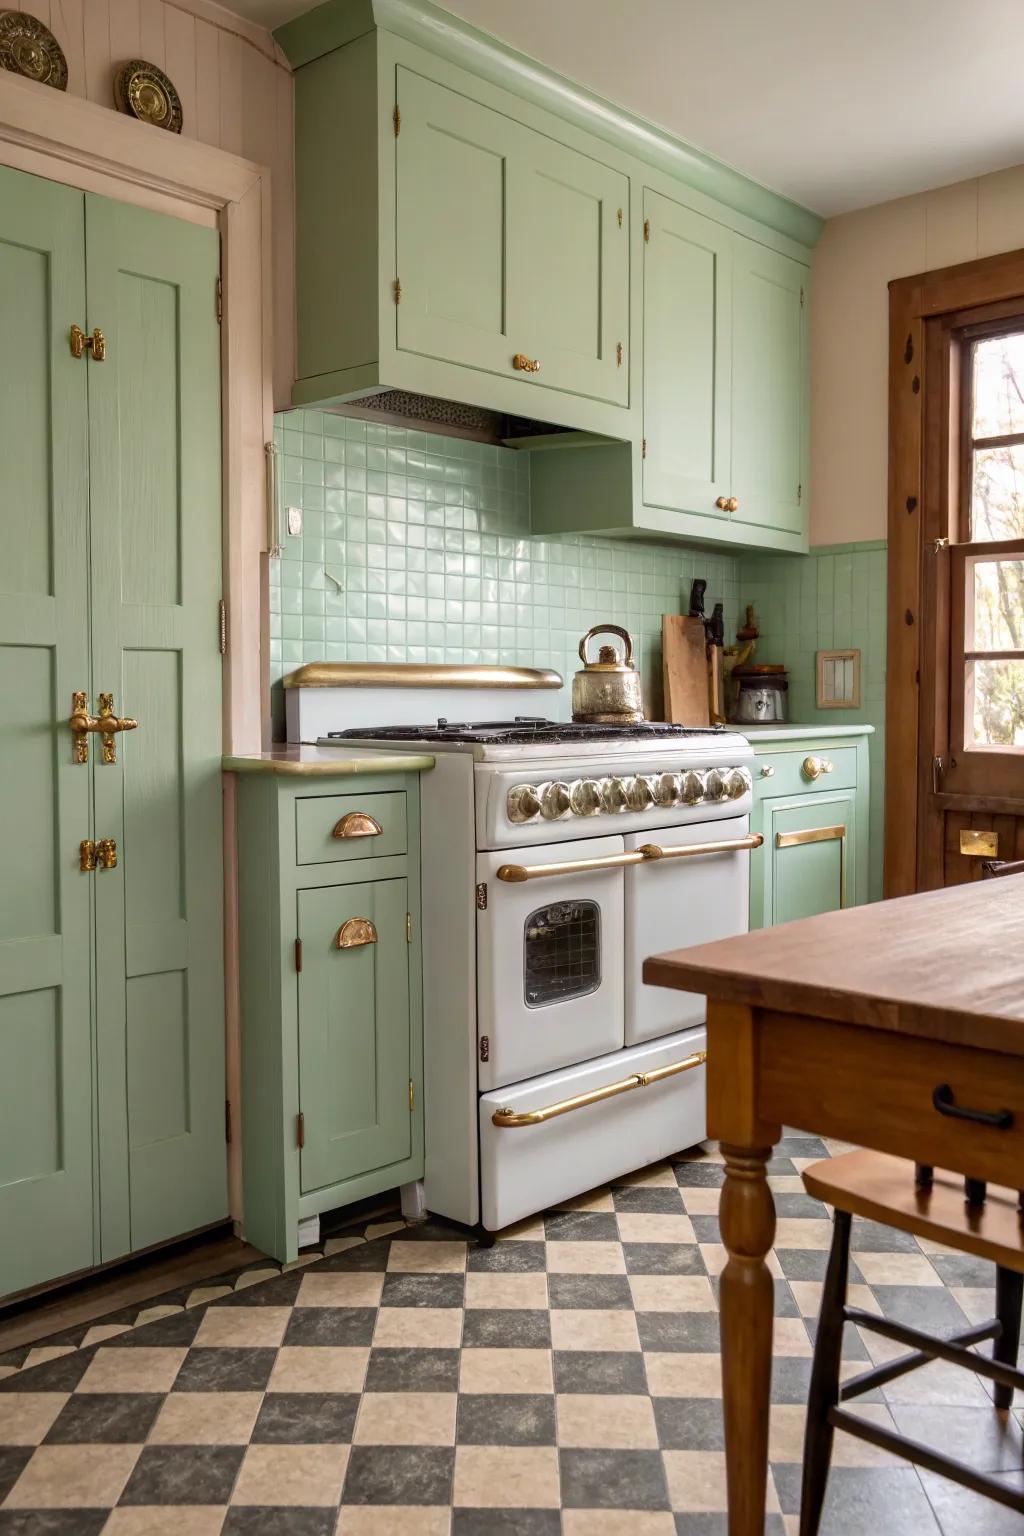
<point x="835" y="103"/>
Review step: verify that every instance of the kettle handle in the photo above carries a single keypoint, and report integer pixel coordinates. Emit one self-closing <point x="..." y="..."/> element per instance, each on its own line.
<point x="607" y="629"/>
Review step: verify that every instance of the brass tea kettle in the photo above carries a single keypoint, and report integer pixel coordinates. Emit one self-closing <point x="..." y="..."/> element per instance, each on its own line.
<point x="607" y="691"/>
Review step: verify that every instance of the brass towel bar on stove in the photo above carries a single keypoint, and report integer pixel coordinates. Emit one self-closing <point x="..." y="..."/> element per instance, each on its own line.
<point x="649" y="853"/>
<point x="510" y="1119"/>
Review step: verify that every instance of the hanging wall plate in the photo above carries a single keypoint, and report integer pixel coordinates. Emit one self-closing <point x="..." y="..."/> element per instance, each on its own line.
<point x="144" y="91"/>
<point x="30" y="49"/>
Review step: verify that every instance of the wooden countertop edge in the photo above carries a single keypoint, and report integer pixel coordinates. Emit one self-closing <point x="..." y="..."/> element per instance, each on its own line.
<point x="345" y="767"/>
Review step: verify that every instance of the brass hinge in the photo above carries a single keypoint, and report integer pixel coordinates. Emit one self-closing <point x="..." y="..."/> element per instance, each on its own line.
<point x="227" y="1119"/>
<point x="412" y="1095"/>
<point x="219" y="300"/>
<point x="298" y="954"/>
<point x="398" y="291"/>
<point x="222" y="620"/>
<point x="618" y="354"/>
<point x="300" y="1130"/>
<point x="643" y="449"/>
<point x="408" y="927"/>
<point x="396" y="118"/>
<point x="618" y="215"/>
<point x="481" y="896"/>
<point x="938" y="544"/>
<point x="647" y="231"/>
<point x="801" y="298"/>
<point x="485" y="1047"/>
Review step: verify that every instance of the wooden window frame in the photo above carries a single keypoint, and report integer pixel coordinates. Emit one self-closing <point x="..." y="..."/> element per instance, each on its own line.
<point x="926" y="426"/>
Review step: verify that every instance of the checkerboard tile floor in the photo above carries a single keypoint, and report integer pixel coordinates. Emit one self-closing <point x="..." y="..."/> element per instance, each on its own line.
<point x="411" y="1383"/>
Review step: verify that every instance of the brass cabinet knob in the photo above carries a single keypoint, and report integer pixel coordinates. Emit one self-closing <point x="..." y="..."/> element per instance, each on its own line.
<point x="732" y="504"/>
<point x="767" y="771"/>
<point x="722" y="503"/>
<point x="814" y="767"/>
<point x="523" y="364"/>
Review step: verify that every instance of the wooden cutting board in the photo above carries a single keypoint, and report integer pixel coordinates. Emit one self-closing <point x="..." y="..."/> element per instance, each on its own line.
<point x="684" y="670"/>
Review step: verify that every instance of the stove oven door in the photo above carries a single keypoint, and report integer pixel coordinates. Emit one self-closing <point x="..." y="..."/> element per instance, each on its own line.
<point x="549" y="959"/>
<point x="672" y="903"/>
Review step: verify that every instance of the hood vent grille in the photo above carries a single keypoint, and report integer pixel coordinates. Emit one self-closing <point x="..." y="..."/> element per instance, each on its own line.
<point x="450" y="418"/>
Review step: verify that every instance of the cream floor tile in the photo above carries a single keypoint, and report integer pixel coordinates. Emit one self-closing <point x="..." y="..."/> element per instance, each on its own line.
<point x="978" y="1302"/>
<point x="204" y="1293"/>
<point x="319" y="1369"/>
<point x="493" y="1289"/>
<point x="597" y="1258"/>
<point x="937" y="1383"/>
<point x="786" y="1437"/>
<point x="529" y="1231"/>
<point x="25" y="1417"/>
<point x="617" y="1522"/>
<point x="344" y="1288"/>
<point x="897" y="1269"/>
<point x="154" y="1314"/>
<point x="132" y="1370"/>
<point x="607" y="1420"/>
<point x="786" y="1183"/>
<point x="426" y="1327"/>
<point x="243" y="1327"/>
<point x="593" y="1200"/>
<point x="291" y="1475"/>
<point x="406" y="1418"/>
<point x="803" y="1232"/>
<point x="684" y="1374"/>
<point x="927" y="1245"/>
<point x="648" y="1227"/>
<point x="169" y="1520"/>
<point x="658" y="1176"/>
<point x="807" y="1295"/>
<point x="393" y="1520"/>
<point x="341" y="1244"/>
<point x="74" y="1477"/>
<point x="790" y="1337"/>
<point x="696" y="1482"/>
<point x="383" y="1229"/>
<point x="506" y="1370"/>
<point x="594" y="1329"/>
<point x="700" y="1201"/>
<point x="499" y="1477"/>
<point x="206" y="1418"/>
<point x="425" y="1258"/>
<point x="255" y="1277"/>
<point x="101" y="1333"/>
<point x="715" y="1259"/>
<point x="671" y="1293"/>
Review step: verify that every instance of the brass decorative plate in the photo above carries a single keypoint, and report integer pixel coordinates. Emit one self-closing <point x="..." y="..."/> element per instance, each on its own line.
<point x="144" y="91"/>
<point x="30" y="49"/>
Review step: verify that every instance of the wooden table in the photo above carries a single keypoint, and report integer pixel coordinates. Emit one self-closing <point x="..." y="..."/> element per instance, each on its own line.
<point x="844" y="1025"/>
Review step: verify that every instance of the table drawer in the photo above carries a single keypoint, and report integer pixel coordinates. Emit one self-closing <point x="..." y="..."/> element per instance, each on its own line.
<point x="333" y="828"/>
<point x="789" y="773"/>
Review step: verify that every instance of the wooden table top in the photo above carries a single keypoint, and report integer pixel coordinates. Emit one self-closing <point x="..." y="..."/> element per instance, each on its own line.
<point x="948" y="965"/>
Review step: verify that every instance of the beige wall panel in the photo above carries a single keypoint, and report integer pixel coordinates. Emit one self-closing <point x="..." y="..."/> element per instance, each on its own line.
<point x="1001" y="212"/>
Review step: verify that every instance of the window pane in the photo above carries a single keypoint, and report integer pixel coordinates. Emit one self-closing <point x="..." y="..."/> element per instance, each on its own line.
<point x="999" y="386"/>
<point x="997" y="589"/>
<point x="995" y="704"/>
<point x="997" y="493"/>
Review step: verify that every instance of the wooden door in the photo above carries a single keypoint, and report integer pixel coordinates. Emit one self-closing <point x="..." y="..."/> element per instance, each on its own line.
<point x="809" y="865"/>
<point x="154" y="437"/>
<point x="354" y="1044"/>
<point x="46" y="1088"/>
<point x="769" y="384"/>
<point x="687" y="358"/>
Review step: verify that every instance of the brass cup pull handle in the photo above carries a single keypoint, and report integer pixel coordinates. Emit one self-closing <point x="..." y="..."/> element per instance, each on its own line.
<point x="354" y="933"/>
<point x="80" y="342"/>
<point x="814" y="767"/>
<point x="357" y="824"/>
<point x="523" y="364"/>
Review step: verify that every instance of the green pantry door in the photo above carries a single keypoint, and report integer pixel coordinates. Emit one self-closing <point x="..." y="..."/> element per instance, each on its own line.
<point x="111" y="988"/>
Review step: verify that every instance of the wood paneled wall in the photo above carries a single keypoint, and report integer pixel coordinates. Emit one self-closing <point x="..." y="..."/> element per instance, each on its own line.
<point x="236" y="94"/>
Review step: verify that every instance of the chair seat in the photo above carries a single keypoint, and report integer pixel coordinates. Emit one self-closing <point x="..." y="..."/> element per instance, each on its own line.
<point x="882" y="1188"/>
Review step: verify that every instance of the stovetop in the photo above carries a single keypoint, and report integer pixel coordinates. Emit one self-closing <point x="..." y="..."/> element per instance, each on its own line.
<point x="526" y="730"/>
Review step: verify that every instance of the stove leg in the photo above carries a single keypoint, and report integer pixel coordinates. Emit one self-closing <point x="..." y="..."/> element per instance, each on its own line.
<point x="484" y="1239"/>
<point x="414" y="1202"/>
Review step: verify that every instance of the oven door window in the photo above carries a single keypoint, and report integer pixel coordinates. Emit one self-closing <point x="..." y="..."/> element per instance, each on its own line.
<point x="561" y="952"/>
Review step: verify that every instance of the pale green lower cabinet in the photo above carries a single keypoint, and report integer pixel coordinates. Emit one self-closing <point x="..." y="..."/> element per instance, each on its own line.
<point x="332" y="1035"/>
<point x="811" y="807"/>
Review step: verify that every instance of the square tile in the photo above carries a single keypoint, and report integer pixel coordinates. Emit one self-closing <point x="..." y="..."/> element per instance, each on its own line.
<point x="106" y="1418"/>
<point x="132" y="1370"/>
<point x="25" y="1417"/>
<point x="580" y="1226"/>
<point x="663" y="1259"/>
<point x="689" y="1423"/>
<point x="594" y="1330"/>
<point x="423" y="1258"/>
<point x="594" y="1258"/>
<point x="334" y="1327"/>
<point x="694" y="1332"/>
<point x="299" y="1369"/>
<point x="618" y="1522"/>
<point x="306" y="1418"/>
<point x="644" y="1227"/>
<point x="672" y="1293"/>
<point x="599" y="1371"/>
<point x="225" y="1370"/>
<point x="413" y="1370"/>
<point x="242" y="1327"/>
<point x="365" y="1520"/>
<point x="431" y="1327"/>
<point x="402" y="1475"/>
<point x="508" y="1290"/>
<point x="488" y="1418"/>
<point x="285" y="1475"/>
<point x="169" y="1520"/>
<point x="205" y="1418"/>
<point x="663" y="1200"/>
<point x="802" y="1232"/>
<point x="898" y="1269"/>
<point x="618" y="1479"/>
<point x="508" y="1257"/>
<point x="686" y="1374"/>
<point x="506" y="1370"/>
<point x="344" y="1288"/>
<point x="506" y="1328"/>
<point x="599" y="1420"/>
<point x="183" y="1474"/>
<point x="600" y="1291"/>
<point x="406" y="1418"/>
<point x="73" y="1477"/>
<point x="498" y="1477"/>
<point x="423" y="1290"/>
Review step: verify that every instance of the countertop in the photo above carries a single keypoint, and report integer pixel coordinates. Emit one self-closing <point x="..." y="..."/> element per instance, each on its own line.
<point x="796" y="732"/>
<point x="321" y="762"/>
<point x="946" y="965"/>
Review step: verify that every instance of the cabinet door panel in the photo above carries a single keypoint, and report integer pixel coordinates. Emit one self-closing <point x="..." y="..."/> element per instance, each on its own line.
<point x="452" y="195"/>
<point x="687" y="358"/>
<point x="354" y="1048"/>
<point x="810" y="866"/>
<point x="46" y="1087"/>
<point x="768" y="387"/>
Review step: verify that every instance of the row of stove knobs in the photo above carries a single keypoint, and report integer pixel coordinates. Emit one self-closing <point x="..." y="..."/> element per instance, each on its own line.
<point x="589" y="797"/>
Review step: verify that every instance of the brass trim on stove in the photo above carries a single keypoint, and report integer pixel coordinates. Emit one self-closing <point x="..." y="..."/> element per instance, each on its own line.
<point x="511" y="1119"/>
<point x="819" y="835"/>
<point x="416" y="674"/>
<point x="649" y="853"/>
<point x="654" y="851"/>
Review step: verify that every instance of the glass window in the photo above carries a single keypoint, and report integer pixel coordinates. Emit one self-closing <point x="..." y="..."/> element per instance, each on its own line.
<point x="561" y="952"/>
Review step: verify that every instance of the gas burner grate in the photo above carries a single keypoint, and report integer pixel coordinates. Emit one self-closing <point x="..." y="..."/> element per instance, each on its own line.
<point x="523" y="730"/>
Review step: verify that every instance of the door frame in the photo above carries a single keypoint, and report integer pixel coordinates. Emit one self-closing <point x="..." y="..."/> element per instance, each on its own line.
<point x="915" y="462"/>
<point x="65" y="139"/>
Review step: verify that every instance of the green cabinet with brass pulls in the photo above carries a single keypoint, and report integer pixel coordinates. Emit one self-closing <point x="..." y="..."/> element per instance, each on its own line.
<point x="330" y="969"/>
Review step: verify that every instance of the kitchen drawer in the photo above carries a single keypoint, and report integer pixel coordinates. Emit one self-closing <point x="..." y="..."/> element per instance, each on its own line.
<point x="333" y="828"/>
<point x="783" y="773"/>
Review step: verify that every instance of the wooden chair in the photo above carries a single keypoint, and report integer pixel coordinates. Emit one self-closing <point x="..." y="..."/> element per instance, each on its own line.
<point x="958" y="1213"/>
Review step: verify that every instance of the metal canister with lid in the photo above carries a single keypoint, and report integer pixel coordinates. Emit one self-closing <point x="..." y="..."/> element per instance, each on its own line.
<point x="607" y="691"/>
<point x="759" y="695"/>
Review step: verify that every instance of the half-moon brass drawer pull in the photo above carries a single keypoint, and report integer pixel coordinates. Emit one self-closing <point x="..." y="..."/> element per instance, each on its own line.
<point x="510" y="1119"/>
<point x="357" y="824"/>
<point x="357" y="931"/>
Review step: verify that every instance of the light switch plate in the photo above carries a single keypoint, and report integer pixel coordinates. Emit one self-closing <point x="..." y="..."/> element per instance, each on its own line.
<point x="838" y="680"/>
<point x="294" y="524"/>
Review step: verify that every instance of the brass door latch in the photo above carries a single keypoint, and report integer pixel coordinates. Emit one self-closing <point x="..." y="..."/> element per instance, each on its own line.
<point x="96" y="343"/>
<point x="106" y="724"/>
<point x="99" y="855"/>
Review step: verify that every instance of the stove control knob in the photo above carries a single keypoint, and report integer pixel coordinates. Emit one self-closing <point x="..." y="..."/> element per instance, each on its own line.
<point x="523" y="803"/>
<point x="715" y="786"/>
<point x="737" y="783"/>
<point x="555" y="801"/>
<point x="585" y="796"/>
<point x="639" y="794"/>
<point x="691" y="787"/>
<point x="614" y="794"/>
<point x="666" y="789"/>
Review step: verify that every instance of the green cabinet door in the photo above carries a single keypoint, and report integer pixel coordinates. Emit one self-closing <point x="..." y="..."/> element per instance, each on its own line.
<point x="687" y="358"/>
<point x="809" y="865"/>
<point x="46" y="1089"/>
<point x="154" y="431"/>
<point x="769" y="385"/>
<point x="354" y="1041"/>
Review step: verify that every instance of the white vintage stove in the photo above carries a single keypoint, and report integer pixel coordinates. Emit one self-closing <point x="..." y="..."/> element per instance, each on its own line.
<point x="556" y="857"/>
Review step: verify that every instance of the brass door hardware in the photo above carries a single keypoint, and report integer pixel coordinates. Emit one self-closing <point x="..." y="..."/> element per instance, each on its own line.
<point x="354" y="933"/>
<point x="727" y="504"/>
<point x="357" y="824"/>
<point x="111" y="723"/>
<point x="647" y="231"/>
<point x="767" y="771"/>
<point x="397" y="291"/>
<point x="618" y="354"/>
<point x="979" y="844"/>
<point x="298" y="954"/>
<point x="396" y="120"/>
<point x="618" y="215"/>
<point x="408" y="927"/>
<point x="819" y="835"/>
<point x="510" y="1119"/>
<point x="412" y="1095"/>
<point x="650" y="853"/>
<point x="481" y="896"/>
<point x="300" y="1131"/>
<point x="99" y="855"/>
<point x="523" y="364"/>
<point x="106" y="724"/>
<point x="96" y="343"/>
<point x="814" y="767"/>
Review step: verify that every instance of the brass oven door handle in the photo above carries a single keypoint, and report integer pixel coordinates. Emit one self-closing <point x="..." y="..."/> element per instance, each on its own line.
<point x="653" y="851"/>
<point x="516" y="874"/>
<point x="357" y="824"/>
<point x="819" y="835"/>
<point x="511" y="1119"/>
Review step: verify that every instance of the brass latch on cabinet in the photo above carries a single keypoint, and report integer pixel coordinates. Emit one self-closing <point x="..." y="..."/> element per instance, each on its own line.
<point x="96" y="344"/>
<point x="106" y="724"/>
<point x="101" y="855"/>
<point x="979" y="844"/>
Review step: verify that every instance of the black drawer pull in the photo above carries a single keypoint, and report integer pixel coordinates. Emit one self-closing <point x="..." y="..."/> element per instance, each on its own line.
<point x="999" y="1119"/>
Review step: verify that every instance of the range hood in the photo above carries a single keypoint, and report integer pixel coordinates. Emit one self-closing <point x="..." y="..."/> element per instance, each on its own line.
<point x="450" y="418"/>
